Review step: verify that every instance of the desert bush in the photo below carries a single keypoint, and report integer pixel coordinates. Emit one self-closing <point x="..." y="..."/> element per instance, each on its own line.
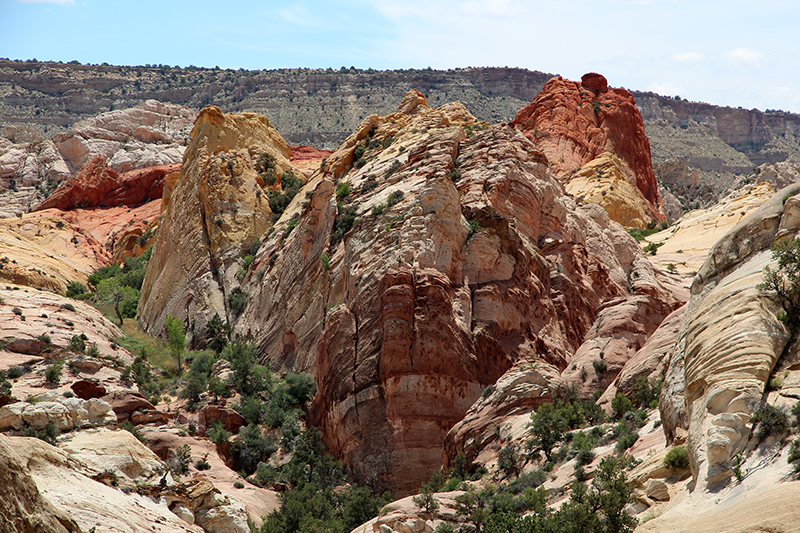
<point x="677" y="458"/>
<point x="769" y="420"/>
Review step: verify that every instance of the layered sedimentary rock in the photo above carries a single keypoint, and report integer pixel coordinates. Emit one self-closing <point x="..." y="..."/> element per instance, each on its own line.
<point x="574" y="123"/>
<point x="216" y="210"/>
<point x="729" y="343"/>
<point x="22" y="506"/>
<point x="465" y="258"/>
<point x="97" y="185"/>
<point x="151" y="134"/>
<point x="610" y="183"/>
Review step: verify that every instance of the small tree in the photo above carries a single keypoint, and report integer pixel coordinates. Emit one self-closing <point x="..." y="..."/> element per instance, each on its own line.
<point x="547" y="427"/>
<point x="785" y="281"/>
<point x="176" y="339"/>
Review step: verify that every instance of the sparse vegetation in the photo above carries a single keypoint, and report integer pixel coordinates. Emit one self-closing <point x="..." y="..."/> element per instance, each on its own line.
<point x="769" y="420"/>
<point x="785" y="281"/>
<point x="677" y="458"/>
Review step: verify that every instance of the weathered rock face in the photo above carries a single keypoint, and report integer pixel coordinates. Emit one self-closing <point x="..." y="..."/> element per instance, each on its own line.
<point x="148" y="135"/>
<point x="217" y="210"/>
<point x="151" y="134"/>
<point x="716" y="379"/>
<point x="22" y="506"/>
<point x="608" y="182"/>
<point x="72" y="479"/>
<point x="97" y="185"/>
<point x="574" y="123"/>
<point x="414" y="311"/>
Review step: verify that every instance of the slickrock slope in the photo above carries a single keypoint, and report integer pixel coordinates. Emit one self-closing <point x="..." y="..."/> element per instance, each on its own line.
<point x="455" y="255"/>
<point x="215" y="212"/>
<point x="729" y="343"/>
<point x="22" y="506"/>
<point x="574" y="123"/>
<point x="687" y="242"/>
<point x="49" y="249"/>
<point x="41" y="312"/>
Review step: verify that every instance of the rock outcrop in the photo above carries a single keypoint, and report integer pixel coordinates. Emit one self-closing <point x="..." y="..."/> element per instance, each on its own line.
<point x="715" y="379"/>
<point x="455" y="256"/>
<point x="216" y="212"/>
<point x="22" y="506"/>
<point x="574" y="123"/>
<point x="97" y="185"/>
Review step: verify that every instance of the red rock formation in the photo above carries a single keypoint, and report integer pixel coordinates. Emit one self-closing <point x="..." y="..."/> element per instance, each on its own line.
<point x="96" y="185"/>
<point x="307" y="158"/>
<point x="125" y="403"/>
<point x="573" y="123"/>
<point x="86" y="390"/>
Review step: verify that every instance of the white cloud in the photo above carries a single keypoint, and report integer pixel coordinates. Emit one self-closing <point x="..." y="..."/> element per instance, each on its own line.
<point x="47" y="1"/>
<point x="492" y="8"/>
<point x="666" y="89"/>
<point x="296" y="14"/>
<point x="687" y="57"/>
<point x="744" y="57"/>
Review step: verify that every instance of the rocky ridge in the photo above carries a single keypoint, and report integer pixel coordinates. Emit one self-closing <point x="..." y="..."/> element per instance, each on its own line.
<point x="454" y="228"/>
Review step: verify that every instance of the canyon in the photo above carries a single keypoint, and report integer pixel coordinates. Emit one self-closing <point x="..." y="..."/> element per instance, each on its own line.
<point x="442" y="274"/>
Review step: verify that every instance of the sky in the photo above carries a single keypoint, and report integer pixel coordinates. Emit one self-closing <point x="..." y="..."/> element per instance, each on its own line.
<point x="724" y="52"/>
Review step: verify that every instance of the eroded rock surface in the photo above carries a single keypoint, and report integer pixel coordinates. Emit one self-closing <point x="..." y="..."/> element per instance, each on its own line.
<point x="575" y="122"/>
<point x="214" y="213"/>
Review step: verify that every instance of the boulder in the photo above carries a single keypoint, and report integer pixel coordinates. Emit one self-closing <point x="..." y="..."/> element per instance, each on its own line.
<point x="230" y="419"/>
<point x="124" y="403"/>
<point x="88" y="389"/>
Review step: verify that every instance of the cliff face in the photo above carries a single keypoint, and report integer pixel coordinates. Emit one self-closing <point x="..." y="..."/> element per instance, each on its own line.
<point x="574" y="123"/>
<point x="431" y="255"/>
<point x="214" y="212"/>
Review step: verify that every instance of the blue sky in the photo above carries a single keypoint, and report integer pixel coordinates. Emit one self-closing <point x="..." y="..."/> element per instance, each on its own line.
<point x="726" y="52"/>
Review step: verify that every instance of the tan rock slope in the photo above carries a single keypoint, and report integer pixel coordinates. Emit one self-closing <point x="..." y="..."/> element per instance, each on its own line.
<point x="215" y="212"/>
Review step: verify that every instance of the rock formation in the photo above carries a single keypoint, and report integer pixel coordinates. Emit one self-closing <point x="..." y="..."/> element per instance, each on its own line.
<point x="22" y="506"/>
<point x="97" y="185"/>
<point x="574" y="123"/>
<point x="151" y="134"/>
<point x="716" y="380"/>
<point x="215" y="212"/>
<point x="415" y="293"/>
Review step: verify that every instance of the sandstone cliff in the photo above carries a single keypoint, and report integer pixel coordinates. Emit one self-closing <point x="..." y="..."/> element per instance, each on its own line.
<point x="215" y="212"/>
<point x="574" y="123"/>
<point x="453" y="255"/>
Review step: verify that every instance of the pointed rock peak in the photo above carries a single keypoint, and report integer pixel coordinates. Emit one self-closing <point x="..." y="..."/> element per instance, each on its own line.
<point x="597" y="83"/>
<point x="212" y="114"/>
<point x="412" y="103"/>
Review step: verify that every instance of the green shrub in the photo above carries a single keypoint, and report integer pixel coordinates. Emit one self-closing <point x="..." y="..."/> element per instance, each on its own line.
<point x="394" y="198"/>
<point x="92" y="350"/>
<point x="677" y="458"/>
<point x="620" y="405"/>
<point x="68" y="307"/>
<point x="77" y="344"/>
<point x="202" y="465"/>
<point x="14" y="372"/>
<point x="769" y="420"/>
<point x="342" y="190"/>
<point x="345" y="220"/>
<point x="17" y="311"/>
<point x="325" y="259"/>
<point x="794" y="456"/>
<point x="377" y="210"/>
<point x="75" y="289"/>
<point x="600" y="366"/>
<point x="218" y="434"/>
<point x="217" y="333"/>
<point x="53" y="372"/>
<point x="49" y="433"/>
<point x="237" y="301"/>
